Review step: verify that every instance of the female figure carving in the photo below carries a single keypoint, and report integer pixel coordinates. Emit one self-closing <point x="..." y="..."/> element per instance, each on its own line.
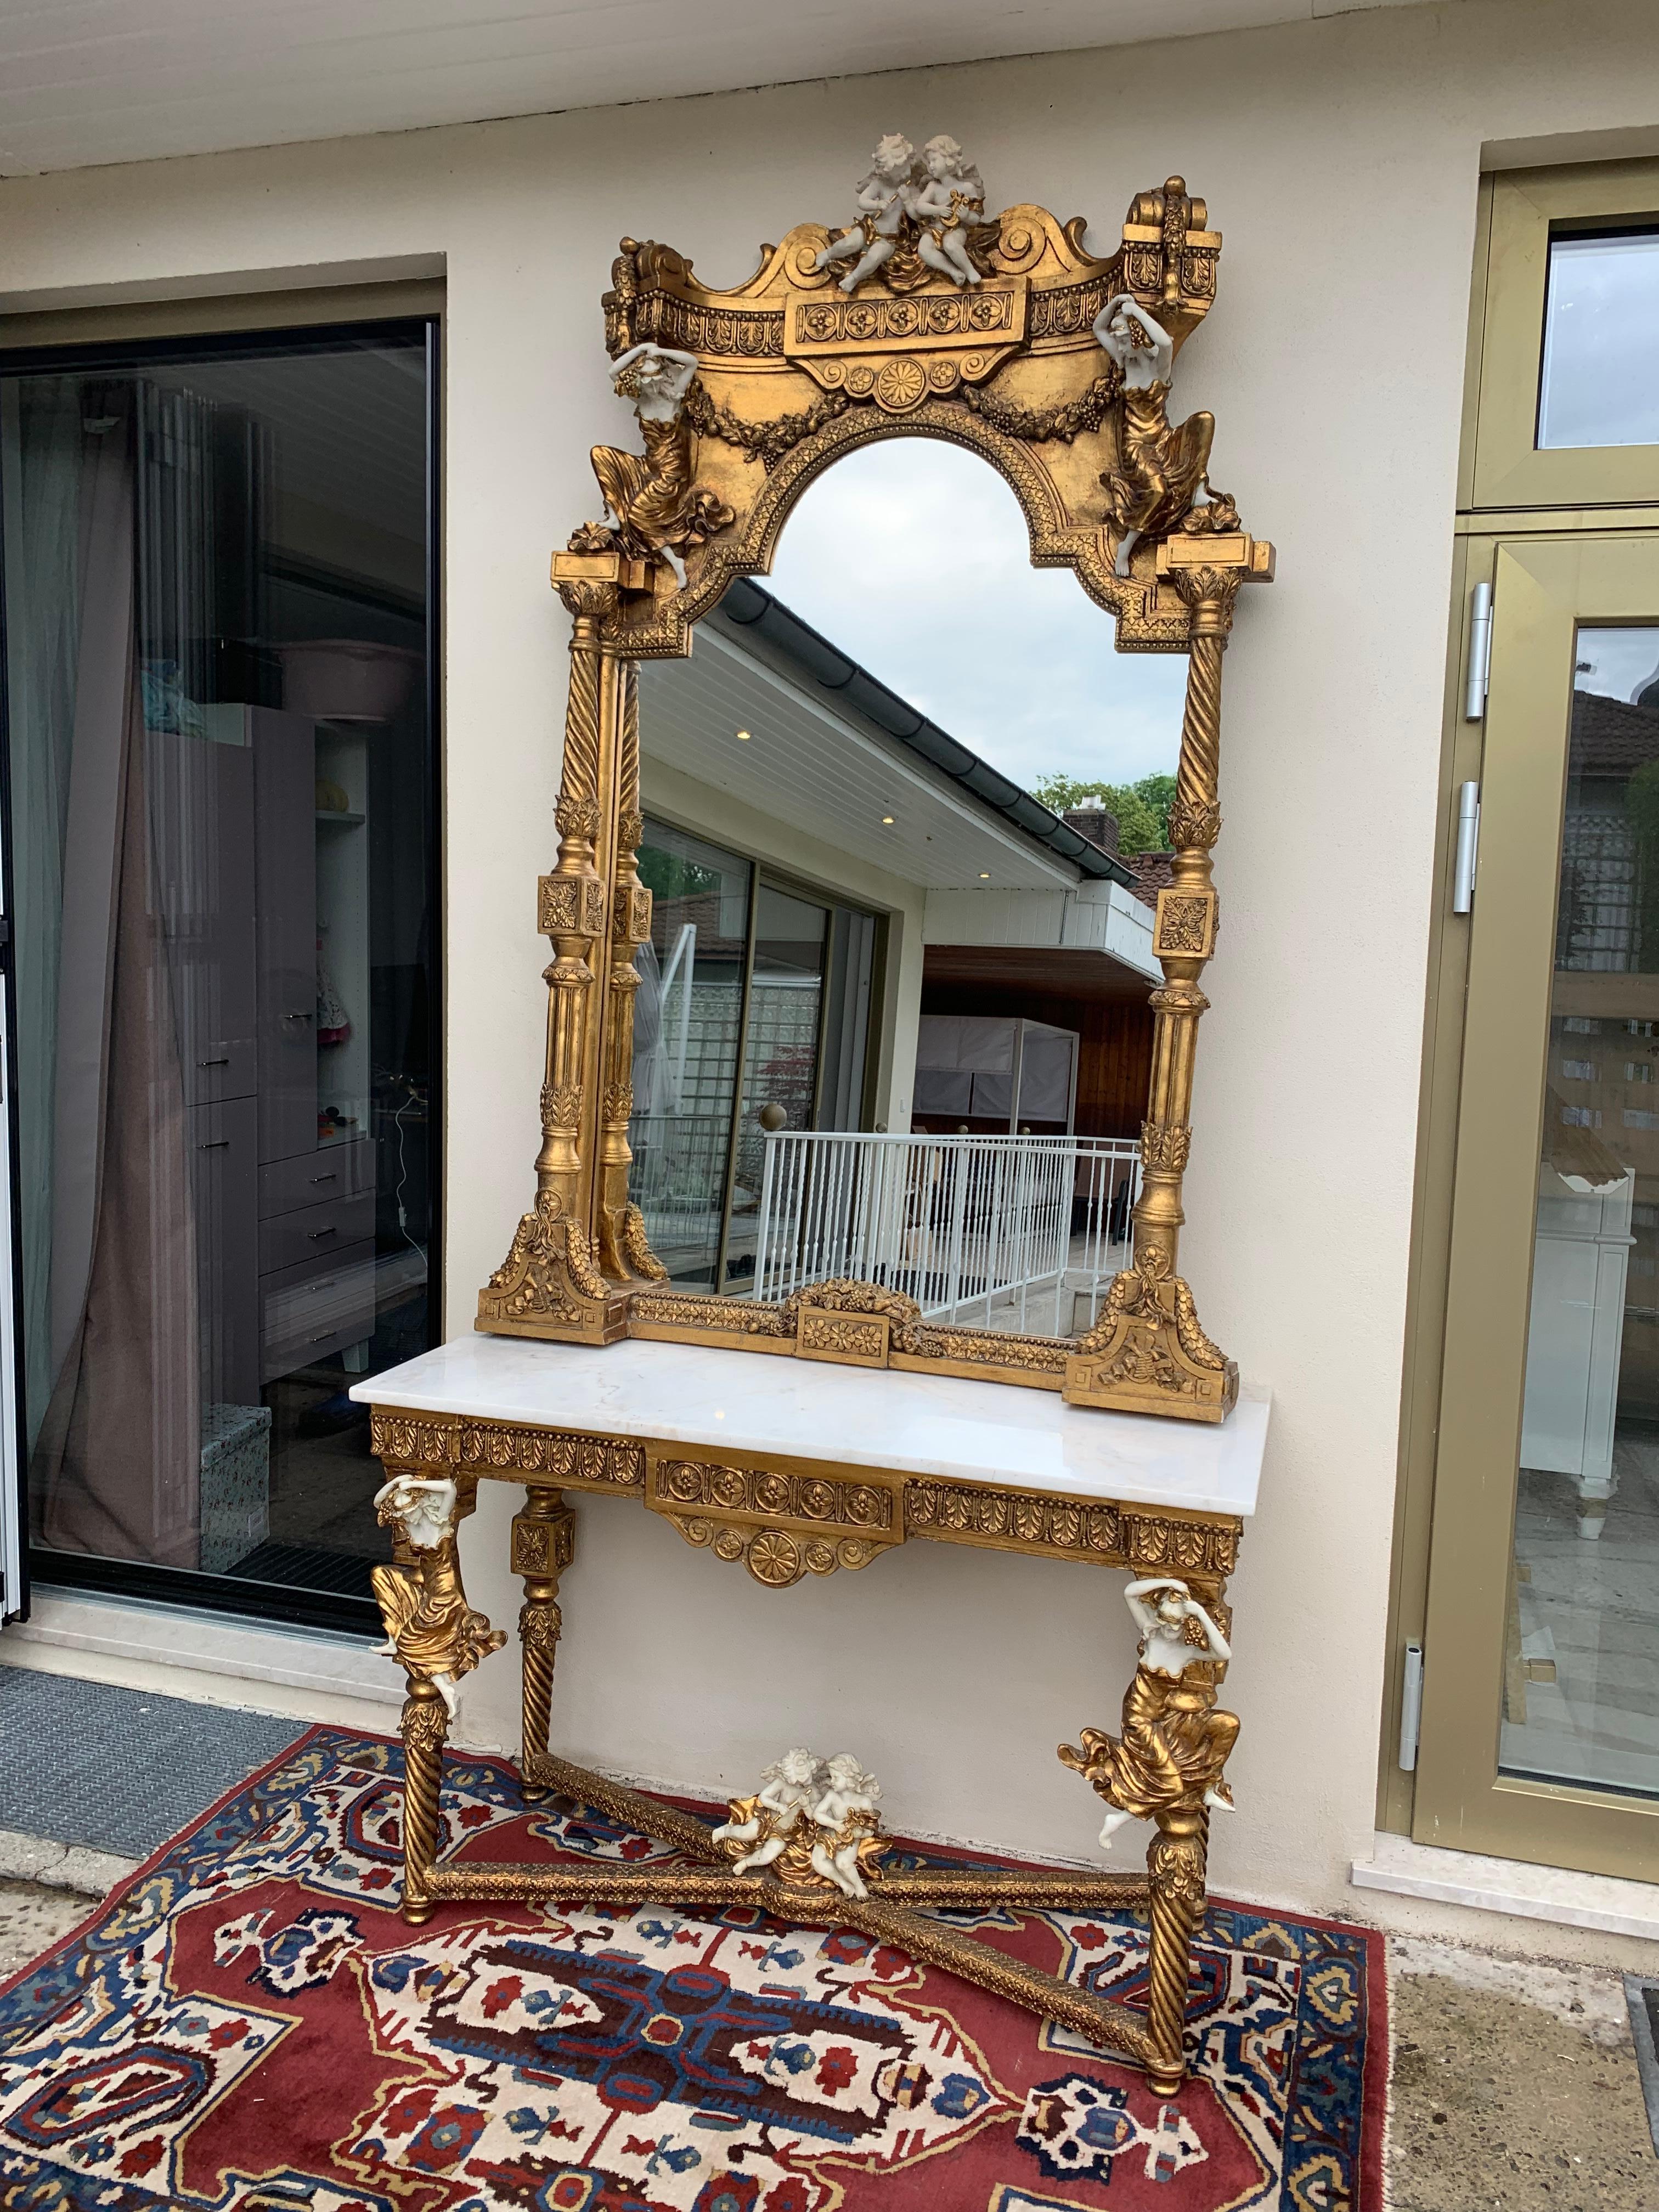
<point x="651" y="500"/>
<point x="430" y="1627"/>
<point x="1174" y="1742"/>
<point x="945" y="207"/>
<point x="883" y="203"/>
<point x="1161" y="467"/>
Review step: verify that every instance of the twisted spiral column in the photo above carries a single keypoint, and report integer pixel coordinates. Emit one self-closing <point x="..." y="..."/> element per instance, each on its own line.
<point x="544" y="1544"/>
<point x="1175" y="1870"/>
<point x="425" y="1726"/>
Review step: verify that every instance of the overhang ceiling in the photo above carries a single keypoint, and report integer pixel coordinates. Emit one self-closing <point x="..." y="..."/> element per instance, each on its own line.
<point x="828" y="775"/>
<point x="84" y="82"/>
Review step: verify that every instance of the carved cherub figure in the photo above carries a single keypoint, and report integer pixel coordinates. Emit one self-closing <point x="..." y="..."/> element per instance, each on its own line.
<point x="789" y="1788"/>
<point x="1161" y="468"/>
<point x="945" y="206"/>
<point x="429" y="1626"/>
<point x="1174" y="1742"/>
<point x="847" y="1822"/>
<point x="652" y="504"/>
<point x="882" y="205"/>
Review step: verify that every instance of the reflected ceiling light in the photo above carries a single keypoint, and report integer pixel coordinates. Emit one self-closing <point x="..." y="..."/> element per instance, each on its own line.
<point x="888" y="819"/>
<point x="985" y="875"/>
<point x="743" y="737"/>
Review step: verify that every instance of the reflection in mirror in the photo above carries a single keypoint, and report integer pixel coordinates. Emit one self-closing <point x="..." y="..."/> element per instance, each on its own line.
<point x="906" y="813"/>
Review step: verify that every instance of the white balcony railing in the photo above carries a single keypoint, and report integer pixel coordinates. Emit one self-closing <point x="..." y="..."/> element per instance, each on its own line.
<point x="1022" y="1233"/>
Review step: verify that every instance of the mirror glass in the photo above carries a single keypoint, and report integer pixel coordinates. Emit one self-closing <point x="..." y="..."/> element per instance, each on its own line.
<point x="905" y="812"/>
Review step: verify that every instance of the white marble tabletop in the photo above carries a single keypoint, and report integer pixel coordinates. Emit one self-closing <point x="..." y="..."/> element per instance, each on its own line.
<point x="921" y="1425"/>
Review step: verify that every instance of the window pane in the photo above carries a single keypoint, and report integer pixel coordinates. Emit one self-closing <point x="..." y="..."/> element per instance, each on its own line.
<point x="1602" y="342"/>
<point x="216" y="568"/>
<point x="1581" y="1682"/>
<point x="688" y="1025"/>
<point x="781" y="1055"/>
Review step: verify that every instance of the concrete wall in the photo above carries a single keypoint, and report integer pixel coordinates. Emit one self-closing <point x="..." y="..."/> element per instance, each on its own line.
<point x="1340" y="158"/>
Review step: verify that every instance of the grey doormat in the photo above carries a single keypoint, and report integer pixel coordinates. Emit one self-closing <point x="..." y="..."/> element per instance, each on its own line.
<point x="119" y="1770"/>
<point x="1642" y="1997"/>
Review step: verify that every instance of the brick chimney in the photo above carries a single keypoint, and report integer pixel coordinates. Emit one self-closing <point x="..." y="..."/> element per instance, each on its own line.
<point x="1091" y="818"/>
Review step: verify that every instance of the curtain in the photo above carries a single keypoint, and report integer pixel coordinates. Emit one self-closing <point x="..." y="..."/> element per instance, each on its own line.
<point x="41" y="443"/>
<point x="116" y="1463"/>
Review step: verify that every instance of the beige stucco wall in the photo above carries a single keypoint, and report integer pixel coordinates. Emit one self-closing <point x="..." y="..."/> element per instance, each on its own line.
<point x="1340" y="159"/>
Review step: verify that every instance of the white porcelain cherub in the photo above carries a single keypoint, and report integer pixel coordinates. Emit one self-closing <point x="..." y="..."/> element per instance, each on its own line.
<point x="950" y="200"/>
<point x="789" y="1788"/>
<point x="882" y="205"/>
<point x="846" y="1813"/>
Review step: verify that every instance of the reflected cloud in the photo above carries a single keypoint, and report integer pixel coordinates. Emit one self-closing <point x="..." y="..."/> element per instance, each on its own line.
<point x="913" y="556"/>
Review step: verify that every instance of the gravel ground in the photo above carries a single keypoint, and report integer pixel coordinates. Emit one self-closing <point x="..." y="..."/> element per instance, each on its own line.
<point x="32" y="1918"/>
<point x="1501" y="2104"/>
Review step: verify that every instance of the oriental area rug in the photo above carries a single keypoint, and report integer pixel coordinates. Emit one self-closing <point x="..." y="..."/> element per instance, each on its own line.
<point x="248" y="2026"/>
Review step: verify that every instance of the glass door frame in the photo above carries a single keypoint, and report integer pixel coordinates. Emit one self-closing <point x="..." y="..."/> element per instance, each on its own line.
<point x="1545" y="585"/>
<point x="292" y="322"/>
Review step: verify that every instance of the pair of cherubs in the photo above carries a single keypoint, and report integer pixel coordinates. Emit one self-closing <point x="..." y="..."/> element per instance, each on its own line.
<point x="943" y="202"/>
<point x="835" y="1796"/>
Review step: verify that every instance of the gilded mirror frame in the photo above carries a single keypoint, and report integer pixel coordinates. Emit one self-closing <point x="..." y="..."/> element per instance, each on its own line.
<point x="983" y="332"/>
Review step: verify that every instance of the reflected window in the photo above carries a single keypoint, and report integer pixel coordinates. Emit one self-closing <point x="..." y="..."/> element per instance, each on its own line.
<point x="1600" y="341"/>
<point x="221" y="761"/>
<point x="688" y="1033"/>
<point x="1583" y="1618"/>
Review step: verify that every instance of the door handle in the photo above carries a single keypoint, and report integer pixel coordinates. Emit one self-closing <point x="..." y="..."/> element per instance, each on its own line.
<point x="213" y="1143"/>
<point x="223" y="1061"/>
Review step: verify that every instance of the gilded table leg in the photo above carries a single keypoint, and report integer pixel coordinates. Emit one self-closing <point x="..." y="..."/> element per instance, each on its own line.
<point x="1174" y="1879"/>
<point x="544" y="1545"/>
<point x="438" y="1637"/>
<point x="426" y="1724"/>
<point x="1167" y="1766"/>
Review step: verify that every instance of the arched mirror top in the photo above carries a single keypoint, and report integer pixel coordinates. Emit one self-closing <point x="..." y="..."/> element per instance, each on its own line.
<point x="924" y="315"/>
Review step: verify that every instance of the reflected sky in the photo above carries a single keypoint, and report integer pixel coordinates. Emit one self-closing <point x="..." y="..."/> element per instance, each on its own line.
<point x="1602" y="342"/>
<point x="913" y="556"/>
<point x="1616" y="663"/>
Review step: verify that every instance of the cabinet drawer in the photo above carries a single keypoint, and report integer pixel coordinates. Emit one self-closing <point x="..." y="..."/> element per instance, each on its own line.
<point x="314" y="1232"/>
<point x="309" y="1311"/>
<point x="327" y="1172"/>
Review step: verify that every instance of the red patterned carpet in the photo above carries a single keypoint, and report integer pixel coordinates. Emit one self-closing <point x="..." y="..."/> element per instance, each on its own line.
<point x="249" y="2025"/>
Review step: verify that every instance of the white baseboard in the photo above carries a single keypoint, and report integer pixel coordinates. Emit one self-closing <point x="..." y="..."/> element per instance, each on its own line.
<point x="1560" y="1894"/>
<point x="218" y="1658"/>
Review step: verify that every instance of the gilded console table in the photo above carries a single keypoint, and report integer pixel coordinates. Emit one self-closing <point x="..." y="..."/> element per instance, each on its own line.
<point x="729" y="1459"/>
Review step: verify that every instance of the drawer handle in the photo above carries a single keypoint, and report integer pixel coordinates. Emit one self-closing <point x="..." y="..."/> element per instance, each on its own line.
<point x="296" y="1018"/>
<point x="223" y="1061"/>
<point x="213" y="1143"/>
<point x="333" y="1177"/>
<point x="314" y="1234"/>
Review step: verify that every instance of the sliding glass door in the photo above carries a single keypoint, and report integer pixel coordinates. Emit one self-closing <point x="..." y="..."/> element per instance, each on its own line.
<point x="220" y="750"/>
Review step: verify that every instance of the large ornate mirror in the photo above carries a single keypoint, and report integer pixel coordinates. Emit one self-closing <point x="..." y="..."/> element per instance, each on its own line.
<point x="878" y="917"/>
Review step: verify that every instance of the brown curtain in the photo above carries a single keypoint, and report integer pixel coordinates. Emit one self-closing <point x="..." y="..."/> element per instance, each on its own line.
<point x="117" y="1463"/>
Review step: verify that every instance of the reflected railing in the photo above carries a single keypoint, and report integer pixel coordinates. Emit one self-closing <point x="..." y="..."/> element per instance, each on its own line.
<point x="1018" y="1232"/>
